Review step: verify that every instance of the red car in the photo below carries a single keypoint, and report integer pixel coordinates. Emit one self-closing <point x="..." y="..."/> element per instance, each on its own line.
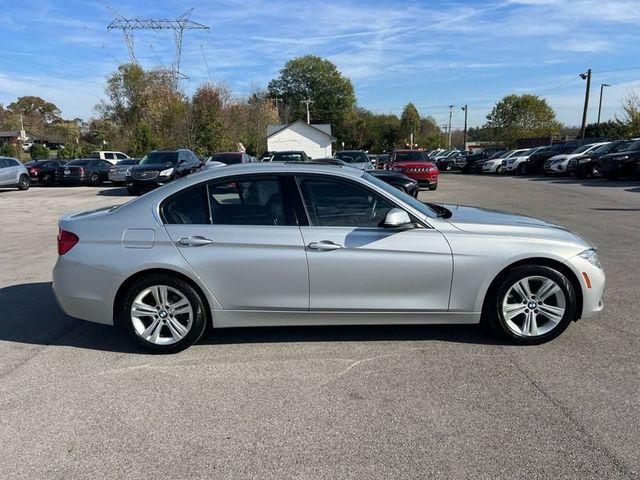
<point x="415" y="164"/>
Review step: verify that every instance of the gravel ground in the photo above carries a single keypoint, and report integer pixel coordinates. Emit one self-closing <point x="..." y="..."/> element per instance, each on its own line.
<point x="79" y="400"/>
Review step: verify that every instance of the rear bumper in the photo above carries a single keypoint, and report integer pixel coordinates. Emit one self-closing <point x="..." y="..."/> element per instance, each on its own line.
<point x="85" y="292"/>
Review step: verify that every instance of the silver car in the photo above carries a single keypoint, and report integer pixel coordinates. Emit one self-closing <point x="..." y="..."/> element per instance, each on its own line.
<point x="306" y="244"/>
<point x="13" y="174"/>
<point x="355" y="158"/>
<point x="118" y="173"/>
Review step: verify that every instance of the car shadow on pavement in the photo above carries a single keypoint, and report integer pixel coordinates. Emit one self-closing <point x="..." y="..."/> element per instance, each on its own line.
<point x="113" y="192"/>
<point x="30" y="315"/>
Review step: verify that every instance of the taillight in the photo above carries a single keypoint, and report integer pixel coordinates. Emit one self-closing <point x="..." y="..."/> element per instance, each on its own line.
<point x="66" y="241"/>
<point x="35" y="170"/>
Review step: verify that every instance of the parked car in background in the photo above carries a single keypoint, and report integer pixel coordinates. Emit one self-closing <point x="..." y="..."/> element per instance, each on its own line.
<point x="87" y="171"/>
<point x="355" y="158"/>
<point x="535" y="163"/>
<point x="586" y="165"/>
<point x="473" y="162"/>
<point x="557" y="165"/>
<point x="494" y="165"/>
<point x="13" y="174"/>
<point x="382" y="160"/>
<point x="517" y="163"/>
<point x="108" y="155"/>
<point x="238" y="246"/>
<point x="289" y="156"/>
<point x="118" y="172"/>
<point x="447" y="161"/>
<point x="43" y="171"/>
<point x="399" y="180"/>
<point x="620" y="164"/>
<point x="415" y="164"/>
<point x="160" y="167"/>
<point x="230" y="158"/>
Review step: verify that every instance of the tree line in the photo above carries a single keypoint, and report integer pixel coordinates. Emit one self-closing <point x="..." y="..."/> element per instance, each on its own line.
<point x="144" y="110"/>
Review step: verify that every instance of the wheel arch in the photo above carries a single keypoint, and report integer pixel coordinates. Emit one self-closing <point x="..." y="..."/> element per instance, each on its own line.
<point x="539" y="261"/>
<point x="124" y="286"/>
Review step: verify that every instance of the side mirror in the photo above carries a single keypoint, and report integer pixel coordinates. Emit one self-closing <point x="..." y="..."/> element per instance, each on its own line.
<point x="396" y="217"/>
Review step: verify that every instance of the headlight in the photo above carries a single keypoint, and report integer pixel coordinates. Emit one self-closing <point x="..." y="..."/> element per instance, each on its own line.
<point x="591" y="256"/>
<point x="624" y="157"/>
<point x="167" y="172"/>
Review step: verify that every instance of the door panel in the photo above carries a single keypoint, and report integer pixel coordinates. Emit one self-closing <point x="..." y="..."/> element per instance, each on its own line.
<point x="379" y="269"/>
<point x="249" y="267"/>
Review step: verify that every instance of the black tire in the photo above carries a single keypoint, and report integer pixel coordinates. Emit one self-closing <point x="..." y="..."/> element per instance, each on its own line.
<point x="522" y="169"/>
<point x="95" y="179"/>
<point x="594" y="172"/>
<point x="612" y="176"/>
<point x="493" y="305"/>
<point x="433" y="186"/>
<point x="448" y="167"/>
<point x="133" y="191"/>
<point x="24" y="182"/>
<point x="199" y="320"/>
<point x="47" y="180"/>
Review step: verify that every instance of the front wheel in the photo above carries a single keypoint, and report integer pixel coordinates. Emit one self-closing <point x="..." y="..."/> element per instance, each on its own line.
<point x="95" y="179"/>
<point x="163" y="314"/>
<point x="531" y="305"/>
<point x="24" y="182"/>
<point x="521" y="169"/>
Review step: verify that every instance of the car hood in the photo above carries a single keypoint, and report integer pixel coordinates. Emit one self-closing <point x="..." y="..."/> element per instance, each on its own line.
<point x="485" y="221"/>
<point x="151" y="166"/>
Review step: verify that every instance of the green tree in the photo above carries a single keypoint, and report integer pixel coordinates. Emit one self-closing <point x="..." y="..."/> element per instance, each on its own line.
<point x="521" y="116"/>
<point x="38" y="152"/>
<point x="631" y="114"/>
<point x="143" y="140"/>
<point x="208" y="121"/>
<point x="7" y="150"/>
<point x="313" y="78"/>
<point x="410" y="123"/>
<point x="35" y="107"/>
<point x="612" y="129"/>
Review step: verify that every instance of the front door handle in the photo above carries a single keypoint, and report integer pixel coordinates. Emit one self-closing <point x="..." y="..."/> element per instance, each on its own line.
<point x="324" y="245"/>
<point x="196" y="241"/>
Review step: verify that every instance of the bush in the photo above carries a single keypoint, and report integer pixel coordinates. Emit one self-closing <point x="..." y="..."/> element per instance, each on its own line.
<point x="7" y="150"/>
<point x="38" y="152"/>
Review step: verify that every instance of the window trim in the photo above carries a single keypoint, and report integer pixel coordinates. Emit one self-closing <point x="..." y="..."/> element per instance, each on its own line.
<point x="361" y="185"/>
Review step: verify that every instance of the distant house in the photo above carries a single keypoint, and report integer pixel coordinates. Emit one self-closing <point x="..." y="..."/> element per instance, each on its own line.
<point x="12" y="137"/>
<point x="314" y="140"/>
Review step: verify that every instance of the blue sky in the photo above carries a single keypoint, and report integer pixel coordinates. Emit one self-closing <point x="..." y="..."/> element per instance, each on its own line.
<point x="432" y="53"/>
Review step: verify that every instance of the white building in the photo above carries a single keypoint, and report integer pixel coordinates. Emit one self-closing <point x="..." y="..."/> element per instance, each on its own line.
<point x="314" y="140"/>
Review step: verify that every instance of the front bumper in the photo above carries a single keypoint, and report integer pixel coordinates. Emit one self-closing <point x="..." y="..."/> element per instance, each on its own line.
<point x="592" y="282"/>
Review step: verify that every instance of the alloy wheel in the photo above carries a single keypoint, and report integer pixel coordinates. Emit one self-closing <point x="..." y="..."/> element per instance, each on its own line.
<point x="161" y="315"/>
<point x="534" y="306"/>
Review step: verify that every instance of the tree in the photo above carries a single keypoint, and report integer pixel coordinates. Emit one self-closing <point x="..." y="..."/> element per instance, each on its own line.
<point x="410" y="123"/>
<point x="612" y="129"/>
<point x="8" y="150"/>
<point x="318" y="80"/>
<point x="35" y="108"/>
<point x="521" y="116"/>
<point x="207" y="120"/>
<point x="631" y="114"/>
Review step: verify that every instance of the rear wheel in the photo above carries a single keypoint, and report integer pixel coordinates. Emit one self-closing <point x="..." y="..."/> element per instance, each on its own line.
<point x="95" y="179"/>
<point x="521" y="169"/>
<point x="531" y="305"/>
<point x="24" y="182"/>
<point x="163" y="314"/>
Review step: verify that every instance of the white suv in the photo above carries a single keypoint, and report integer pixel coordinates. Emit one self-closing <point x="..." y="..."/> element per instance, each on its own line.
<point x="109" y="156"/>
<point x="13" y="174"/>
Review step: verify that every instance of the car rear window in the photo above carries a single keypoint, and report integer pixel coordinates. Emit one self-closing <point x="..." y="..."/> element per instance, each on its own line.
<point x="227" y="158"/>
<point x="77" y="162"/>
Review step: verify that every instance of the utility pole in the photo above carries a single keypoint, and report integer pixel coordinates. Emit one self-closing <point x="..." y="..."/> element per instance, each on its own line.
<point x="465" y="109"/>
<point x="587" y="77"/>
<point x="602" y="85"/>
<point x="307" y="102"/>
<point x="444" y="129"/>
<point x="449" y="129"/>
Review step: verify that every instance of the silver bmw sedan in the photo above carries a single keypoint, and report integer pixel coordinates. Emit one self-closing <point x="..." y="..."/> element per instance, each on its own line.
<point x="309" y="244"/>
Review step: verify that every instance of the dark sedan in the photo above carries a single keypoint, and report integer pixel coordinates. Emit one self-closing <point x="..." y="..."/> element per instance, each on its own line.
<point x="587" y="165"/>
<point x="621" y="164"/>
<point x="43" y="171"/>
<point x="89" y="171"/>
<point x="398" y="180"/>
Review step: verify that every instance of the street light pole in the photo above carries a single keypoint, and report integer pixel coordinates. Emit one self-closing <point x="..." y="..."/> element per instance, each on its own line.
<point x="602" y="85"/>
<point x="449" y="129"/>
<point x="307" y="103"/>
<point x="465" y="109"/>
<point x="587" y="77"/>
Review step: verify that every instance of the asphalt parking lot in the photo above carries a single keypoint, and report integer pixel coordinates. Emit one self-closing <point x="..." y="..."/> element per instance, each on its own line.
<point x="79" y="400"/>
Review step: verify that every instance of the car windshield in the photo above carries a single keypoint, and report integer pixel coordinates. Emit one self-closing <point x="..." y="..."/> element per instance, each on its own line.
<point x="287" y="157"/>
<point x="633" y="146"/>
<point x="226" y="158"/>
<point x="352" y="157"/>
<point x="160" y="158"/>
<point x="410" y="157"/>
<point x="408" y="199"/>
<point x="498" y="154"/>
<point x="583" y="148"/>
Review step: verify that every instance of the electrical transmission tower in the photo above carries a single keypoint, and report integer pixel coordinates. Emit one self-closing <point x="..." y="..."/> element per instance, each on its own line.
<point x="179" y="25"/>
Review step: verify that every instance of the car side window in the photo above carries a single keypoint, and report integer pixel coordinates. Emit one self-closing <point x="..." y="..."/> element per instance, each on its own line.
<point x="121" y="156"/>
<point x="247" y="201"/>
<point x="2" y="163"/>
<point x="188" y="207"/>
<point x="332" y="202"/>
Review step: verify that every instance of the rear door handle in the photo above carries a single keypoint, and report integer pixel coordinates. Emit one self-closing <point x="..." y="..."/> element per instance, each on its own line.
<point x="324" y="245"/>
<point x="196" y="241"/>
